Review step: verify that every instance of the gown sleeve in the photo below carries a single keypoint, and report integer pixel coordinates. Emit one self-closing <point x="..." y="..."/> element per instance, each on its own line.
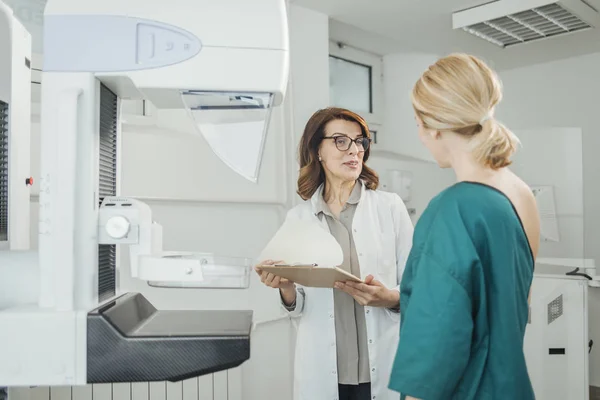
<point x="435" y="338"/>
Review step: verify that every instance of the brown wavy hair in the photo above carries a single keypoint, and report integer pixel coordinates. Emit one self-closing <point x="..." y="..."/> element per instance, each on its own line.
<point x="312" y="174"/>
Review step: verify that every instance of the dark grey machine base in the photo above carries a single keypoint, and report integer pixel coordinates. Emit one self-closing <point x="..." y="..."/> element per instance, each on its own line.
<point x="128" y="340"/>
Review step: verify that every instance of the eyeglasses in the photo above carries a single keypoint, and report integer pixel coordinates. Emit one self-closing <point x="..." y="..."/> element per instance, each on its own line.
<point x="343" y="143"/>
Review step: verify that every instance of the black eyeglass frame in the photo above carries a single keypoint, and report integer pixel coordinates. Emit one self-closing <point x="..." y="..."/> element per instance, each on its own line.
<point x="355" y="141"/>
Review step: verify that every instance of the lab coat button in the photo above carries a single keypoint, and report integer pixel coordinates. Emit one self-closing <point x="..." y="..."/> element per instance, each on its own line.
<point x="370" y="340"/>
<point x="368" y="311"/>
<point x="330" y="315"/>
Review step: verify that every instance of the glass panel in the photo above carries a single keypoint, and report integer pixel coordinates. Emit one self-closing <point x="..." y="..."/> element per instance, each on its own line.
<point x="350" y="85"/>
<point x="234" y="125"/>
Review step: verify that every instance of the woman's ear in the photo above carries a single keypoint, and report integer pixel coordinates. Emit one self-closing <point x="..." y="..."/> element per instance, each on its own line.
<point x="435" y="135"/>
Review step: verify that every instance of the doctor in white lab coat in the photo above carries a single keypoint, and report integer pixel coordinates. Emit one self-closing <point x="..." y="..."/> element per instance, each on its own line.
<point x="347" y="336"/>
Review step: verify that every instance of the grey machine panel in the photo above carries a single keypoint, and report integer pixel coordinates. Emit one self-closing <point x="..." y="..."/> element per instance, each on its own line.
<point x="131" y="341"/>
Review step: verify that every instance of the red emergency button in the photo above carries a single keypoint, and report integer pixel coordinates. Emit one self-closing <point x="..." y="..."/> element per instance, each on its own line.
<point x="29" y="181"/>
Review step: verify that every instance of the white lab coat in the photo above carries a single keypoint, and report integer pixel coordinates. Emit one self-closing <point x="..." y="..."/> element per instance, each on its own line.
<point x="382" y="232"/>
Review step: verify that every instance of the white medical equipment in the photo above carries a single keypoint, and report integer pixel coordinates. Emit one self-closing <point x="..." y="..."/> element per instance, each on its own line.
<point x="225" y="62"/>
<point x="559" y="340"/>
<point x="15" y="89"/>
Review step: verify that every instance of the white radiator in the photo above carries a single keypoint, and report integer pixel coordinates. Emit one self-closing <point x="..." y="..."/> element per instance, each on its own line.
<point x="225" y="385"/>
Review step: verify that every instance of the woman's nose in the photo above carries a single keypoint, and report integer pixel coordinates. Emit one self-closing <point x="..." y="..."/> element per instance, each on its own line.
<point x="353" y="148"/>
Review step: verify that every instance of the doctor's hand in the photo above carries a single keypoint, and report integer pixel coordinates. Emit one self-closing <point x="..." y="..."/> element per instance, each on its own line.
<point x="285" y="286"/>
<point x="371" y="293"/>
<point x="271" y="280"/>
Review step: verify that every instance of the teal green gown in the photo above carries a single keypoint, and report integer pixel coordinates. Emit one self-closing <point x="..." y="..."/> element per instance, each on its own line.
<point x="463" y="300"/>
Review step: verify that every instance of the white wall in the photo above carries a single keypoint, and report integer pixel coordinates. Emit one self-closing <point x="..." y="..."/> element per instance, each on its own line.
<point x="427" y="178"/>
<point x="400" y="72"/>
<point x="559" y="165"/>
<point x="309" y="75"/>
<point x="562" y="94"/>
<point x="398" y="145"/>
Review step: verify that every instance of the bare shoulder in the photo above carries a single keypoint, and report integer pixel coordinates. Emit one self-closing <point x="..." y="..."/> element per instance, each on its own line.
<point x="524" y="202"/>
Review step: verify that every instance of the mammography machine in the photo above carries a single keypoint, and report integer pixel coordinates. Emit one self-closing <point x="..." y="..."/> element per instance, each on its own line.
<point x="226" y="64"/>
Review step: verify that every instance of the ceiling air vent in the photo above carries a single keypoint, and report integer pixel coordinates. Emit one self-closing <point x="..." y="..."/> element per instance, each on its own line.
<point x="510" y="22"/>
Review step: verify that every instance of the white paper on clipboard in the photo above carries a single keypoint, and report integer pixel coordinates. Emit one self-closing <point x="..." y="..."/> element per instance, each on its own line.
<point x="303" y="242"/>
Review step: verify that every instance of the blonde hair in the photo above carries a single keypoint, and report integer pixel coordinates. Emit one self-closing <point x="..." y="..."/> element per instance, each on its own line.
<point x="459" y="94"/>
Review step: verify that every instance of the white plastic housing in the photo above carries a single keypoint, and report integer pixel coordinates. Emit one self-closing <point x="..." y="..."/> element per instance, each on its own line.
<point x="197" y="270"/>
<point x="154" y="49"/>
<point x="15" y="90"/>
<point x="226" y="62"/>
<point x="127" y="221"/>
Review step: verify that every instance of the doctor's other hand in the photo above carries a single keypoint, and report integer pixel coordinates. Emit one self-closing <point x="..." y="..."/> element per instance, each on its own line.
<point x="371" y="293"/>
<point x="271" y="280"/>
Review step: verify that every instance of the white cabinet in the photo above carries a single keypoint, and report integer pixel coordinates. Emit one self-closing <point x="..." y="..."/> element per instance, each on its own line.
<point x="556" y="340"/>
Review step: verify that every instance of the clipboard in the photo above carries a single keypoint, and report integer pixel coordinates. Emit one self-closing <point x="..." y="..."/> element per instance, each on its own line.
<point x="311" y="275"/>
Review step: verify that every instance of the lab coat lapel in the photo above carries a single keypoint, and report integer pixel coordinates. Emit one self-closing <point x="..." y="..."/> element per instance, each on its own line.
<point x="314" y="201"/>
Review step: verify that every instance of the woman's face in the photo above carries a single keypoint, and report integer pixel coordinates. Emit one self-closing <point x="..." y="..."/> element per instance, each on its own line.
<point x="341" y="157"/>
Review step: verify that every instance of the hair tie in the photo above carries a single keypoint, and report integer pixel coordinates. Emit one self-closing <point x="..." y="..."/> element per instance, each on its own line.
<point x="485" y="118"/>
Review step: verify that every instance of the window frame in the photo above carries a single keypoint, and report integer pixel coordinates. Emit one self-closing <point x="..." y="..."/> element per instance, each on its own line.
<point x="375" y="62"/>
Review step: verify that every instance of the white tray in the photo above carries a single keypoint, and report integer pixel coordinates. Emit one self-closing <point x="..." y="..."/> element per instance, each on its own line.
<point x="195" y="270"/>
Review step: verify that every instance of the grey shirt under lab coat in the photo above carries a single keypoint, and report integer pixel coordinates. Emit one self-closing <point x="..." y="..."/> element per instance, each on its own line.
<point x="350" y="324"/>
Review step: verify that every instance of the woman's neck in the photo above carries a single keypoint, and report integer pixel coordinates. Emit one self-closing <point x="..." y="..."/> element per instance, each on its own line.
<point x="467" y="168"/>
<point x="337" y="193"/>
